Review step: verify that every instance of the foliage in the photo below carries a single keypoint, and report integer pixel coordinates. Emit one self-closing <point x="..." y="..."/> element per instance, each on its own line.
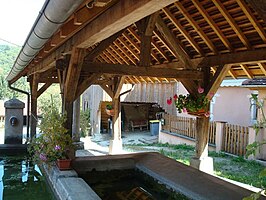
<point x="109" y="107"/>
<point x="54" y="142"/>
<point x="252" y="148"/>
<point x="191" y="103"/>
<point x="231" y="167"/>
<point x="45" y="98"/>
<point x="8" y="56"/>
<point x="85" y="124"/>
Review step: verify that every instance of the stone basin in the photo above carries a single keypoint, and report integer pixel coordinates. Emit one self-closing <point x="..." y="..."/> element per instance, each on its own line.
<point x="181" y="178"/>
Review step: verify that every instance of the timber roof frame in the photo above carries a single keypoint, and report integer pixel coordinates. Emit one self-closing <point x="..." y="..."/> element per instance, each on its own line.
<point x="186" y="37"/>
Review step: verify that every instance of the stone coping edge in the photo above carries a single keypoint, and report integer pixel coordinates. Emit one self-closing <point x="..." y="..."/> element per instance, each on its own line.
<point x="67" y="185"/>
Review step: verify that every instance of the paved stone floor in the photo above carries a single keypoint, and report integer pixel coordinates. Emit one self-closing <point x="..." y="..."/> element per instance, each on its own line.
<point x="98" y="144"/>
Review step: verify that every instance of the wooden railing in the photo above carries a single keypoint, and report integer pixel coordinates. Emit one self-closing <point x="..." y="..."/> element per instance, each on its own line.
<point x="235" y="139"/>
<point x="186" y="126"/>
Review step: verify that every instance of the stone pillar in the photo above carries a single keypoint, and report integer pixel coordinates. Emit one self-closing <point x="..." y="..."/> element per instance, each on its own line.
<point x="219" y="136"/>
<point x="116" y="142"/>
<point x="13" y="121"/>
<point x="201" y="160"/>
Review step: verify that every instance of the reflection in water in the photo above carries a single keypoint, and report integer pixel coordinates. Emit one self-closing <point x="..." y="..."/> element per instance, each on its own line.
<point x="19" y="179"/>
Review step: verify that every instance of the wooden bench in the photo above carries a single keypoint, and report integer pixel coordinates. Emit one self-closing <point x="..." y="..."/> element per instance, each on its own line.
<point x="139" y="124"/>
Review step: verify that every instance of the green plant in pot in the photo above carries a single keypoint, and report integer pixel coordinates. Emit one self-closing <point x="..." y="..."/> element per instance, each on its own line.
<point x="54" y="144"/>
<point x="109" y="110"/>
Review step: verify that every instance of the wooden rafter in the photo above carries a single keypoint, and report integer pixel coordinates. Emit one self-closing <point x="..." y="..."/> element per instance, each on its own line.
<point x="172" y="42"/>
<point x="194" y="24"/>
<point x="263" y="68"/>
<point x="211" y="22"/>
<point x="247" y="71"/>
<point x="252" y="19"/>
<point x="232" y="23"/>
<point x="43" y="88"/>
<point x="183" y="31"/>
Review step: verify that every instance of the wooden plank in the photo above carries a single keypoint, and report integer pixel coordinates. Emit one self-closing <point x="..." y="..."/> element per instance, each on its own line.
<point x="263" y="68"/>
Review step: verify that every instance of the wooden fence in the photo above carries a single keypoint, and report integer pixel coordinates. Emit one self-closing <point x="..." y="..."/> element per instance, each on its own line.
<point x="186" y="126"/>
<point x="234" y="137"/>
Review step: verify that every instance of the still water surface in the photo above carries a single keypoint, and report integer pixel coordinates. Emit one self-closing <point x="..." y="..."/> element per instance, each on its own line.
<point x="21" y="180"/>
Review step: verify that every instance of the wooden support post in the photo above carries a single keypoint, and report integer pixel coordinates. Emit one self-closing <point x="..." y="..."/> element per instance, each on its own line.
<point x="76" y="120"/>
<point x="116" y="142"/>
<point x="68" y="110"/>
<point x="34" y="95"/>
<point x="201" y="160"/>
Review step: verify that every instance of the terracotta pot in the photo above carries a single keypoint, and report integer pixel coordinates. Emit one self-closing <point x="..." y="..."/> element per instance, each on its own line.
<point x="63" y="164"/>
<point x="110" y="112"/>
<point x="199" y="113"/>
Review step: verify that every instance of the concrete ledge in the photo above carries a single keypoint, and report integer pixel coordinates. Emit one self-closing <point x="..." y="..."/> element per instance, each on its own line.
<point x="67" y="185"/>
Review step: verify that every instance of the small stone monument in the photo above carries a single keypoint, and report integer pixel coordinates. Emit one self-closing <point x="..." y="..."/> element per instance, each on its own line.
<point x="13" y="121"/>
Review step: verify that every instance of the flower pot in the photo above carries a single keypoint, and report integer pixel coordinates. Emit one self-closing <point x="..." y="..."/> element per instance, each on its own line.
<point x="63" y="164"/>
<point x="199" y="113"/>
<point x="110" y="112"/>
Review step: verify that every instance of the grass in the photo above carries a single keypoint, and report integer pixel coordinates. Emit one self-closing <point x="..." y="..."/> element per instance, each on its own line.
<point x="231" y="167"/>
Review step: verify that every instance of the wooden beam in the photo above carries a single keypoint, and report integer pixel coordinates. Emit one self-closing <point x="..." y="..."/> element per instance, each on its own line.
<point x="213" y="25"/>
<point x="119" y="86"/>
<point x="145" y="28"/>
<point x="217" y="80"/>
<point x="260" y="7"/>
<point x="85" y="84"/>
<point x="73" y="74"/>
<point x="131" y="70"/>
<point x="262" y="68"/>
<point x="252" y="18"/>
<point x="124" y="13"/>
<point x="245" y="57"/>
<point x="107" y="90"/>
<point x="172" y="42"/>
<point x="183" y="31"/>
<point x="247" y="71"/>
<point x="197" y="28"/>
<point x="232" y="23"/>
<point x="34" y="118"/>
<point x="43" y="89"/>
<point x="102" y="46"/>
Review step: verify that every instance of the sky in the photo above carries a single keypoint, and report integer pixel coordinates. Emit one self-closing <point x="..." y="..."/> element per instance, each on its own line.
<point x="17" y="18"/>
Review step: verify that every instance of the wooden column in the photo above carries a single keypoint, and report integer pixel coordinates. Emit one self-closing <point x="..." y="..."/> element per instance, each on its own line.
<point x="76" y="120"/>
<point x="68" y="110"/>
<point x="116" y="126"/>
<point x="34" y="96"/>
<point x="116" y="142"/>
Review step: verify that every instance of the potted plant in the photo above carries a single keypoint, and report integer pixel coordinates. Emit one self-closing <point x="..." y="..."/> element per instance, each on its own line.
<point x="54" y="144"/>
<point x="192" y="104"/>
<point x="109" y="110"/>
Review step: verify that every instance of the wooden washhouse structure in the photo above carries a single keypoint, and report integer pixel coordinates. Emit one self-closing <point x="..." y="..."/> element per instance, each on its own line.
<point x="79" y="43"/>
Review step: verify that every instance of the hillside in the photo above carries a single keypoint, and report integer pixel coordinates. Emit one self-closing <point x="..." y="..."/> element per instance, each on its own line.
<point x="8" y="55"/>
